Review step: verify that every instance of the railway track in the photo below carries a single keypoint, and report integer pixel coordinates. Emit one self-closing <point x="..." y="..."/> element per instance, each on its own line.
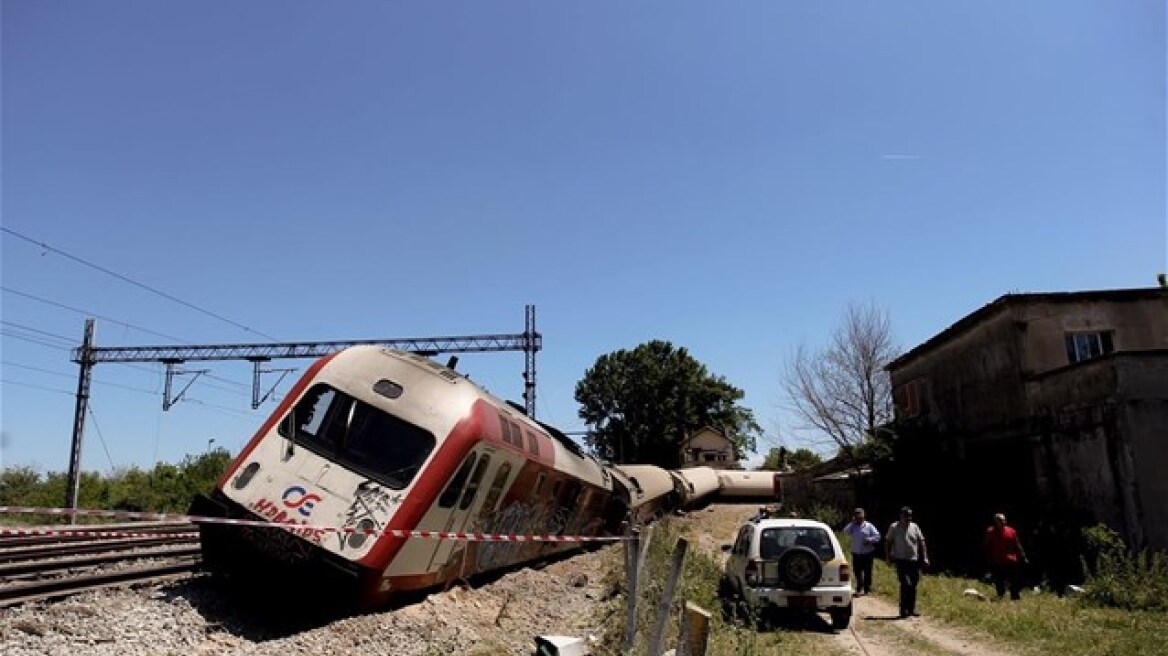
<point x="55" y="562"/>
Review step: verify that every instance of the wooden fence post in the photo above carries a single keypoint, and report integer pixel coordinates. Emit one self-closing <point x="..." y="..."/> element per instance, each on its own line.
<point x="695" y="630"/>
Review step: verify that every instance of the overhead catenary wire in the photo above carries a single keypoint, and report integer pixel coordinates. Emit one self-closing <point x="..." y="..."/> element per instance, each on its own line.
<point x="18" y="383"/>
<point x="33" y="340"/>
<point x="38" y="331"/>
<point x="95" y="315"/>
<point x="136" y="283"/>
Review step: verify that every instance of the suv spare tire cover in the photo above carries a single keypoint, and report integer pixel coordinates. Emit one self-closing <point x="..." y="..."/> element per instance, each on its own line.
<point x="799" y="568"/>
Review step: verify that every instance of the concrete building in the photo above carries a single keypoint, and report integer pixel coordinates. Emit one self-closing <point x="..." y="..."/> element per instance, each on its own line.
<point x="1053" y="404"/>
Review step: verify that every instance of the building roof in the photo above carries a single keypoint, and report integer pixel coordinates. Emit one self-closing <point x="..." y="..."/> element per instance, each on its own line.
<point x="704" y="429"/>
<point x="986" y="311"/>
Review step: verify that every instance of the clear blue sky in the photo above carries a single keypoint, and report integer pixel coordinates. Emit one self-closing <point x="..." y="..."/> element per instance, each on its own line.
<point x="726" y="176"/>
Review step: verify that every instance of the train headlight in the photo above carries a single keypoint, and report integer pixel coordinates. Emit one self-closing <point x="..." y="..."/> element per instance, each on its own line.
<point x="359" y="535"/>
<point x="245" y="476"/>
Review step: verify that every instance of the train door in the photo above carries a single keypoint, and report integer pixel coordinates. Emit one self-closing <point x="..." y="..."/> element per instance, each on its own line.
<point x="458" y="499"/>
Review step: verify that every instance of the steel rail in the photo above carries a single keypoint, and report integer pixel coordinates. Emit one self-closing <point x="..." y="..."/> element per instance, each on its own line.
<point x="55" y="564"/>
<point x="62" y="587"/>
<point x="17" y="554"/>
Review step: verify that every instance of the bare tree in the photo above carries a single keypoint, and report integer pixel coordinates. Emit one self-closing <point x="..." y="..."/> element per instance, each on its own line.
<point x="842" y="391"/>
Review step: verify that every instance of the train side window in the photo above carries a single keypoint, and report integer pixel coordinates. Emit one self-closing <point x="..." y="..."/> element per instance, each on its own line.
<point x="532" y="443"/>
<point x="450" y="495"/>
<point x="473" y="486"/>
<point x="511" y="433"/>
<point x="497" y="487"/>
<point x="538" y="485"/>
<point x="504" y="429"/>
<point x="572" y="496"/>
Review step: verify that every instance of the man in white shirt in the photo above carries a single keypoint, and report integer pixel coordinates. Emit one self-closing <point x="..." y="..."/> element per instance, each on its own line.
<point x="865" y="538"/>
<point x="905" y="547"/>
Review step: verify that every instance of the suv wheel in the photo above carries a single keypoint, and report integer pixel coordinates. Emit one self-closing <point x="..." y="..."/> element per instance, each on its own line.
<point x="799" y="568"/>
<point x="840" y="617"/>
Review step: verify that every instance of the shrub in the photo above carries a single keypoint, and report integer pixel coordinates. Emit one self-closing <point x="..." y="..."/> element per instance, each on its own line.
<point x="1117" y="578"/>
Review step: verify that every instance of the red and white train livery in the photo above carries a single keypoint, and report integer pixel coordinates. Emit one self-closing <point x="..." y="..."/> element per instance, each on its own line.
<point x="377" y="439"/>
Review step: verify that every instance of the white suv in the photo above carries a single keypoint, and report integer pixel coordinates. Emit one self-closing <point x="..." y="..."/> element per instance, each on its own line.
<point x="789" y="564"/>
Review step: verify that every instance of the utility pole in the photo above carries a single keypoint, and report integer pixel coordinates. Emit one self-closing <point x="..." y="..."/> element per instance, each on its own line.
<point x="84" y="358"/>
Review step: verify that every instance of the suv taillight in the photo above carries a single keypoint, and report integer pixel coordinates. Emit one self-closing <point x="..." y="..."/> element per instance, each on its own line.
<point x="752" y="573"/>
<point x="845" y="573"/>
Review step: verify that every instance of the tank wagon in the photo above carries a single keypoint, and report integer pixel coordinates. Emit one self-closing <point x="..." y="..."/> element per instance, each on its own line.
<point x="651" y="491"/>
<point x="380" y="443"/>
<point x="695" y="485"/>
<point x="742" y="485"/>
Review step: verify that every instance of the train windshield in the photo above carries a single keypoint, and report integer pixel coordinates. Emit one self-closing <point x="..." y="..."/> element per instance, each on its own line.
<point x="359" y="436"/>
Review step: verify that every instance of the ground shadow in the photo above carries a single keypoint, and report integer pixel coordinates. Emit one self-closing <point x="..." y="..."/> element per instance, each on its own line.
<point x="259" y="609"/>
<point x="253" y="612"/>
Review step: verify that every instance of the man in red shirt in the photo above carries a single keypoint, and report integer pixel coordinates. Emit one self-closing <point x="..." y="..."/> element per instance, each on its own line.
<point x="1006" y="557"/>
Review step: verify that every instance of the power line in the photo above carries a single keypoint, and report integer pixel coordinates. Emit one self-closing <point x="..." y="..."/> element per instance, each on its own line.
<point x="103" y="383"/>
<point x="40" y="387"/>
<point x="101" y="438"/>
<point x="90" y="314"/>
<point x="6" y="363"/>
<point x="68" y="340"/>
<point x="33" y="340"/>
<point x="136" y="283"/>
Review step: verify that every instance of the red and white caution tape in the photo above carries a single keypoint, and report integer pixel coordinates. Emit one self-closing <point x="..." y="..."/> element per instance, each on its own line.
<point x="292" y="526"/>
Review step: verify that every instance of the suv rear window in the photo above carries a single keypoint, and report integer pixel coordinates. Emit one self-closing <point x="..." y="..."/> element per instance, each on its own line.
<point x="774" y="541"/>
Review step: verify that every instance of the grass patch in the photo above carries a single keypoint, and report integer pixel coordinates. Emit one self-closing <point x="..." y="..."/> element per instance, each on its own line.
<point x="1040" y="624"/>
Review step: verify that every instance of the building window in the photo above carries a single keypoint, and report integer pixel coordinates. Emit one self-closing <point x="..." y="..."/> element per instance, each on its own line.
<point x="909" y="397"/>
<point x="1084" y="346"/>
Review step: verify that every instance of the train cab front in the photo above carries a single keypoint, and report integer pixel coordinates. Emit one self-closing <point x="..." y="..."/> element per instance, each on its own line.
<point x="334" y="473"/>
<point x="271" y="559"/>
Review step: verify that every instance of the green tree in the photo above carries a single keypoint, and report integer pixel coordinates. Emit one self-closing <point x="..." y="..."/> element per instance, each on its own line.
<point x="19" y="486"/>
<point x="799" y="459"/>
<point x="642" y="404"/>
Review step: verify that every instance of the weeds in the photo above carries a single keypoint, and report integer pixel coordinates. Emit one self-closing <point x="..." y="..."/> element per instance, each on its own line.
<point x="1117" y="578"/>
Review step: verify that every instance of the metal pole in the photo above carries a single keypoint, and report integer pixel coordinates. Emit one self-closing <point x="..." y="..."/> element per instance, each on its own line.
<point x="667" y="597"/>
<point x="529" y="347"/>
<point x="632" y="572"/>
<point x="85" y="364"/>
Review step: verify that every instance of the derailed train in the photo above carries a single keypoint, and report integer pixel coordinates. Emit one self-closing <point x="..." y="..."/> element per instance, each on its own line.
<point x="376" y="441"/>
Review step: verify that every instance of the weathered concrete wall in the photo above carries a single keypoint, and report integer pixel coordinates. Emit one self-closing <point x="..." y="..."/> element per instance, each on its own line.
<point x="972" y="382"/>
<point x="1085" y="469"/>
<point x="1143" y="385"/>
<point x="1103" y="453"/>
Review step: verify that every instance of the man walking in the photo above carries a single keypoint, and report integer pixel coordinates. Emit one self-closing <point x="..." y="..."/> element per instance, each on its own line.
<point x="1006" y="557"/>
<point x="865" y="538"/>
<point x="905" y="547"/>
